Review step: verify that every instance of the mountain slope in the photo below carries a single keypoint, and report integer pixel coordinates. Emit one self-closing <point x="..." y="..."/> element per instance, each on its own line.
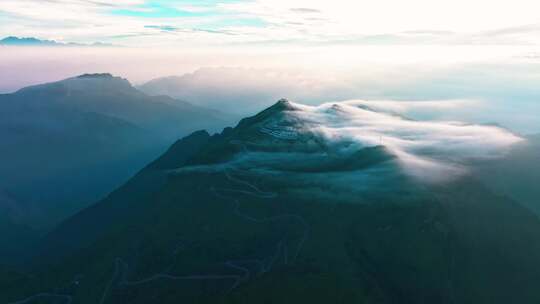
<point x="13" y="216"/>
<point x="273" y="211"/>
<point x="66" y="144"/>
<point x="517" y="174"/>
<point x="31" y="41"/>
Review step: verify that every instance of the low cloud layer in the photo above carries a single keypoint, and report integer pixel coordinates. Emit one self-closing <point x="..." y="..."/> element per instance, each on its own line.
<point x="193" y="22"/>
<point x="506" y="95"/>
<point x="432" y="150"/>
<point x="360" y="146"/>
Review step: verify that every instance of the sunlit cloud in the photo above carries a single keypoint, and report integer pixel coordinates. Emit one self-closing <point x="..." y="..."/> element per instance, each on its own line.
<point x="357" y="144"/>
<point x="403" y="106"/>
<point x="274" y="21"/>
<point x="426" y="149"/>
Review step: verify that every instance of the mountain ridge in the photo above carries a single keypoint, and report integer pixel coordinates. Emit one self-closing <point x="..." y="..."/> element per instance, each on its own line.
<point x="66" y="144"/>
<point x="32" y="41"/>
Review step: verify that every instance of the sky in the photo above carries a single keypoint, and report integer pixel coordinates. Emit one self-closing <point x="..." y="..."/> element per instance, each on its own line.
<point x="168" y="23"/>
<point x="242" y="55"/>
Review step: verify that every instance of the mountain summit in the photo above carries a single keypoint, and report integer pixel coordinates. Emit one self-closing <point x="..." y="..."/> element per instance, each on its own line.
<point x="105" y="94"/>
<point x="104" y="84"/>
<point x="346" y="130"/>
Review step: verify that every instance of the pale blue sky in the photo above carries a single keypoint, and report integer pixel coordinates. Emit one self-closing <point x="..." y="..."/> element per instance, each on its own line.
<point x="173" y="9"/>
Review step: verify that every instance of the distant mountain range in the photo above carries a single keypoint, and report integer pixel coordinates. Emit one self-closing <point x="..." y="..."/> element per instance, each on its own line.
<point x="66" y="144"/>
<point x="243" y="91"/>
<point x="31" y="41"/>
<point x="280" y="210"/>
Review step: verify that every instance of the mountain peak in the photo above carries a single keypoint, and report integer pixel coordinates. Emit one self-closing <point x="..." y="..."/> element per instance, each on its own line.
<point x="104" y="82"/>
<point x="12" y="40"/>
<point x="278" y="109"/>
<point x="284" y="105"/>
<point x="90" y="82"/>
<point x="96" y="75"/>
<point x="283" y="101"/>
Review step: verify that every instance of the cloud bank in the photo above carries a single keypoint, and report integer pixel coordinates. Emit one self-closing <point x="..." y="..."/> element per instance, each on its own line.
<point x="188" y="22"/>
<point x="431" y="150"/>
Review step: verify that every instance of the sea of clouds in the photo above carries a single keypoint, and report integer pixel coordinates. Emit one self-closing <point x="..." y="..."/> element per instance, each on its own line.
<point x="432" y="150"/>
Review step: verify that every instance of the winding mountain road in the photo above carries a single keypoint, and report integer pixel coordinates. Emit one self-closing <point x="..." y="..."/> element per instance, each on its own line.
<point x="119" y="275"/>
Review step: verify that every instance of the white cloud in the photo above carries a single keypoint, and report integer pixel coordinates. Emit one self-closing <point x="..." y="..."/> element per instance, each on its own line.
<point x="341" y="145"/>
<point x="299" y="21"/>
<point x="402" y="21"/>
<point x="404" y="106"/>
<point x="436" y="150"/>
